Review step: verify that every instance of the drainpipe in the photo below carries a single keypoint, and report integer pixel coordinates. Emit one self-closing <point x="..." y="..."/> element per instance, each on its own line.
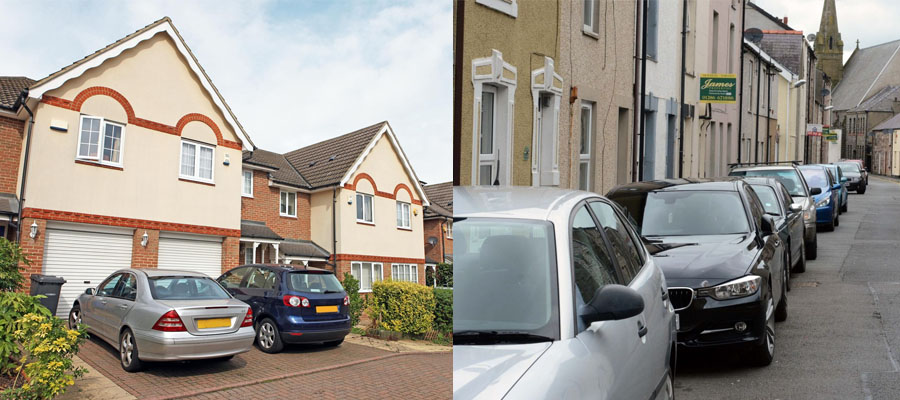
<point x="684" y="7"/>
<point x="740" y="126"/>
<point x="644" y="7"/>
<point x="758" y="82"/>
<point x="334" y="229"/>
<point x="443" y="249"/>
<point x="24" y="100"/>
<point x="636" y="98"/>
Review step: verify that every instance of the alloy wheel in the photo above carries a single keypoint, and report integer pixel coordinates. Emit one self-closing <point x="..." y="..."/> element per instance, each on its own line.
<point x="266" y="335"/>
<point x="770" y="328"/>
<point x="126" y="348"/>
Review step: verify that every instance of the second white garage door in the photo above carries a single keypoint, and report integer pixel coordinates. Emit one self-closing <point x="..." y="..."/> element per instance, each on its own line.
<point x="200" y="254"/>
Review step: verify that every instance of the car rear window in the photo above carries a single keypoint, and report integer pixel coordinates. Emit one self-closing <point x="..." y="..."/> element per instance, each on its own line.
<point x="788" y="177"/>
<point x="768" y="199"/>
<point x="311" y="282"/>
<point x="185" y="288"/>
<point x="816" y="178"/>
<point x="849" y="166"/>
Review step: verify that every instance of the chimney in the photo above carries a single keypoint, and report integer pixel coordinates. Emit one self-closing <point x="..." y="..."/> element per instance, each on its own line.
<point x="785" y="20"/>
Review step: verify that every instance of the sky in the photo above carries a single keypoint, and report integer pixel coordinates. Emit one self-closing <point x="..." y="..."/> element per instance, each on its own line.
<point x="871" y="21"/>
<point x="294" y="73"/>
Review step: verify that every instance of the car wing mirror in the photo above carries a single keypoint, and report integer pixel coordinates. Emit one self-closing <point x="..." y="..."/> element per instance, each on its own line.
<point x="89" y="291"/>
<point x="815" y="191"/>
<point x="796" y="207"/>
<point x="767" y="225"/>
<point x="611" y="303"/>
<point x="836" y="186"/>
<point x="845" y="179"/>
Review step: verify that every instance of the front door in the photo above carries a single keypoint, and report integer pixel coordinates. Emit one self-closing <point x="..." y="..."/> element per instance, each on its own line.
<point x="545" y="147"/>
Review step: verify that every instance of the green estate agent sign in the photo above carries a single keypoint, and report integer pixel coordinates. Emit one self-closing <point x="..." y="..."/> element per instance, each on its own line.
<point x="718" y="88"/>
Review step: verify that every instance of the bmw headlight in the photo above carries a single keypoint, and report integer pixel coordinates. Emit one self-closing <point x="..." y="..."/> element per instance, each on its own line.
<point x="824" y="202"/>
<point x="741" y="287"/>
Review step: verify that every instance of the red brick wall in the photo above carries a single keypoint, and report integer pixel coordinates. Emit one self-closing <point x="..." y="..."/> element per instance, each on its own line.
<point x="33" y="249"/>
<point x="230" y="253"/>
<point x="264" y="207"/>
<point x="433" y="228"/>
<point x="344" y="267"/>
<point x="11" y="131"/>
<point x="145" y="257"/>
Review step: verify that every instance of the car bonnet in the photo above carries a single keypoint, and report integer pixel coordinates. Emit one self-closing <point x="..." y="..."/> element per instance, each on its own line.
<point x="489" y="372"/>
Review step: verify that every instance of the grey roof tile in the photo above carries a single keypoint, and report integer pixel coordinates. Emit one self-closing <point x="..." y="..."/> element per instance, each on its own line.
<point x="891" y="124"/>
<point x="302" y="248"/>
<point x="440" y="195"/>
<point x="9" y="204"/>
<point x="10" y="89"/>
<point x="860" y="71"/>
<point x="284" y="172"/>
<point x="325" y="163"/>
<point x="256" y="229"/>
<point x="883" y="100"/>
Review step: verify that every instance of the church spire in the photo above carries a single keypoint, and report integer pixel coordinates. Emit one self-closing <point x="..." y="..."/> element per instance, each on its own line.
<point x="829" y="47"/>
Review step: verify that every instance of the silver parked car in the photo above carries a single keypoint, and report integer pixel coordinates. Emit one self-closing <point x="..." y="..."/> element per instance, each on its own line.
<point x="164" y="315"/>
<point x="556" y="296"/>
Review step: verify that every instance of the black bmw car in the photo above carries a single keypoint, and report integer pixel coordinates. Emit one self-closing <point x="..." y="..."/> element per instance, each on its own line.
<point x="723" y="260"/>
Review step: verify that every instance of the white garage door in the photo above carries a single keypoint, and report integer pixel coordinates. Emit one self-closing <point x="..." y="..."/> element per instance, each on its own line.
<point x="188" y="254"/>
<point x="84" y="259"/>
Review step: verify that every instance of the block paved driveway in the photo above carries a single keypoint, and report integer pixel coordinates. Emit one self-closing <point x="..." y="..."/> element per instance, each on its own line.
<point x="347" y="371"/>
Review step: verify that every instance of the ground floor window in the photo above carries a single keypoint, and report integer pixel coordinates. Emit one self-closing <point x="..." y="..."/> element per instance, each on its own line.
<point x="366" y="273"/>
<point x="405" y="272"/>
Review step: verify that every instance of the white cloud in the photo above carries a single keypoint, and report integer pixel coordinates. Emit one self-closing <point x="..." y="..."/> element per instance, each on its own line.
<point x="294" y="73"/>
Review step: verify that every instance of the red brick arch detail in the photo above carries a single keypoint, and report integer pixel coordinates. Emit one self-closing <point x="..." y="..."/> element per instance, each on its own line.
<point x="104" y="91"/>
<point x="404" y="187"/>
<point x="200" y="118"/>
<point x="367" y="177"/>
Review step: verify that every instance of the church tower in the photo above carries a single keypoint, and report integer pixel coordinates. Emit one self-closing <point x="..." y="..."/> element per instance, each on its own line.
<point x="829" y="47"/>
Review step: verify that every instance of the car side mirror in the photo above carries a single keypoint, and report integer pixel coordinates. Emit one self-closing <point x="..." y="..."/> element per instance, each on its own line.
<point x="796" y="207"/>
<point x="836" y="186"/>
<point x="845" y="179"/>
<point x="767" y="225"/>
<point x="815" y="191"/>
<point x="863" y="170"/>
<point x="611" y="303"/>
<point x="89" y="291"/>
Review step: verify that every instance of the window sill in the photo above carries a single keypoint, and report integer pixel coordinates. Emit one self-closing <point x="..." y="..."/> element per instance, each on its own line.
<point x="588" y="32"/>
<point x="365" y="223"/>
<point x="101" y="165"/>
<point x="196" y="181"/>
<point x="249" y="196"/>
<point x="400" y="228"/>
<point x="287" y="216"/>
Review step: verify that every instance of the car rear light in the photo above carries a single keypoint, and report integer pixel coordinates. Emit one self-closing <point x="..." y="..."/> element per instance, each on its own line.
<point x="169" y="322"/>
<point x="346" y="300"/>
<point x="295" y="301"/>
<point x="248" y="319"/>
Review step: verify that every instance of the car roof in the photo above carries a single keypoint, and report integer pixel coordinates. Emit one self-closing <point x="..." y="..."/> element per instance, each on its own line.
<point x="764" y="167"/>
<point x="153" y="272"/>
<point x="724" y="183"/>
<point x="762" y="180"/>
<point x="289" y="267"/>
<point x="514" y="201"/>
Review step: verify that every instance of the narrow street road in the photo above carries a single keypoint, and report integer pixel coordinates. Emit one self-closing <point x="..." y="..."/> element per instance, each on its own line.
<point x="842" y="336"/>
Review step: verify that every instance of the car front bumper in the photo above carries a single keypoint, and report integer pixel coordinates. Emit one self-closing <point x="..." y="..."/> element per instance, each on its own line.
<point x="176" y="346"/>
<point x="710" y="322"/>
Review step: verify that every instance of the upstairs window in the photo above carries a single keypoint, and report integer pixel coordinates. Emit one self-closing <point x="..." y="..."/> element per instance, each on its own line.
<point x="288" y="204"/>
<point x="591" y="16"/>
<point x="100" y="140"/>
<point x="247" y="184"/>
<point x="364" y="208"/>
<point x="197" y="161"/>
<point x="403" y="215"/>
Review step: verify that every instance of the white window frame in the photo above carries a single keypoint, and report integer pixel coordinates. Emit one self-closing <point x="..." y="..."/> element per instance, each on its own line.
<point x="401" y="205"/>
<point x="405" y="273"/>
<point x="100" y="140"/>
<point x="449" y="225"/>
<point x="197" y="147"/>
<point x="248" y="255"/>
<point x="281" y="199"/>
<point x="375" y="277"/>
<point x="592" y="29"/>
<point x="508" y="7"/>
<point x="488" y="159"/>
<point x="244" y="186"/>
<point x="586" y="158"/>
<point x="371" y="210"/>
<point x="502" y="76"/>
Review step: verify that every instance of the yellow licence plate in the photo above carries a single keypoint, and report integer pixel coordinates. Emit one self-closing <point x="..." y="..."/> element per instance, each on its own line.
<point x="326" y="309"/>
<point x="213" y="323"/>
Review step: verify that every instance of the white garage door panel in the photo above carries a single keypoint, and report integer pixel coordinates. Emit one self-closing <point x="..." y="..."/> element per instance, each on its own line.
<point x="191" y="255"/>
<point x="84" y="259"/>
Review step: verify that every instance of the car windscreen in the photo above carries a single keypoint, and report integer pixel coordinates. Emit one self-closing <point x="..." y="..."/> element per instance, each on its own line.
<point x="788" y="177"/>
<point x="768" y="199"/>
<point x="505" y="289"/>
<point x="815" y="177"/>
<point x="849" y="167"/>
<point x="185" y="288"/>
<point x="679" y="213"/>
<point x="313" y="282"/>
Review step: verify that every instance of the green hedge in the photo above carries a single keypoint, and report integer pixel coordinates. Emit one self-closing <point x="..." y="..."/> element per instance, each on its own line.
<point x="443" y="310"/>
<point x="445" y="275"/>
<point x="357" y="302"/>
<point x="404" y="307"/>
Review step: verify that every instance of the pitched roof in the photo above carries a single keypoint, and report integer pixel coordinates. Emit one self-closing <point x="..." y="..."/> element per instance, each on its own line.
<point x="302" y="248"/>
<point x="11" y="88"/>
<point x="889" y="125"/>
<point x="860" y="73"/>
<point x="440" y="195"/>
<point x="256" y="229"/>
<point x="96" y="58"/>
<point x="325" y="163"/>
<point x="771" y="17"/>
<point x="284" y="172"/>
<point x="786" y="48"/>
<point x="883" y="100"/>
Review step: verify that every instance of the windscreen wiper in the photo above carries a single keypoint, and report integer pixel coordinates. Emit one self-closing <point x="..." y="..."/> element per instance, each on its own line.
<point x="498" y="337"/>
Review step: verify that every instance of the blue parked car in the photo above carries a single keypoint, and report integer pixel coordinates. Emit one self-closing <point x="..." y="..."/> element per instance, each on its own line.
<point x="817" y="176"/>
<point x="291" y="304"/>
<point x="843" y="192"/>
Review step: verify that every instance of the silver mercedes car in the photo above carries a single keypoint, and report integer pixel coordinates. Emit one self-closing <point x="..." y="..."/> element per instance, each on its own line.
<point x="556" y="296"/>
<point x="165" y="315"/>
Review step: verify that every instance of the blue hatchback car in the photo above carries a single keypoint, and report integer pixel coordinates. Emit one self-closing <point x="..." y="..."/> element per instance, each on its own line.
<point x="291" y="304"/>
<point x="818" y="176"/>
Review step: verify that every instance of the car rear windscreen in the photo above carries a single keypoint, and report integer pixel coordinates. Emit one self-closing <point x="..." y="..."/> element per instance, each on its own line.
<point x="314" y="282"/>
<point x="679" y="213"/>
<point x="185" y="288"/>
<point x="788" y="177"/>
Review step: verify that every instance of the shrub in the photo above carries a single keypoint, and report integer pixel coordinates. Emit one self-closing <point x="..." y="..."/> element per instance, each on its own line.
<point x="402" y="307"/>
<point x="443" y="310"/>
<point x="11" y="255"/>
<point x="429" y="277"/>
<point x="35" y="342"/>
<point x="357" y="302"/>
<point x="445" y="275"/>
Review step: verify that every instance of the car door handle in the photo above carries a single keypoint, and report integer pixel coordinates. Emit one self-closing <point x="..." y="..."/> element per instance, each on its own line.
<point x="123" y="306"/>
<point x="642" y="329"/>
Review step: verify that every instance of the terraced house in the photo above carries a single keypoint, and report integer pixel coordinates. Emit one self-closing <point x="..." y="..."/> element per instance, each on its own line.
<point x="129" y="157"/>
<point x="352" y="203"/>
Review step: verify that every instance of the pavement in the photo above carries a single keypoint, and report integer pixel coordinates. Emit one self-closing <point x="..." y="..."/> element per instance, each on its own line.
<point x="359" y="368"/>
<point x="842" y="336"/>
